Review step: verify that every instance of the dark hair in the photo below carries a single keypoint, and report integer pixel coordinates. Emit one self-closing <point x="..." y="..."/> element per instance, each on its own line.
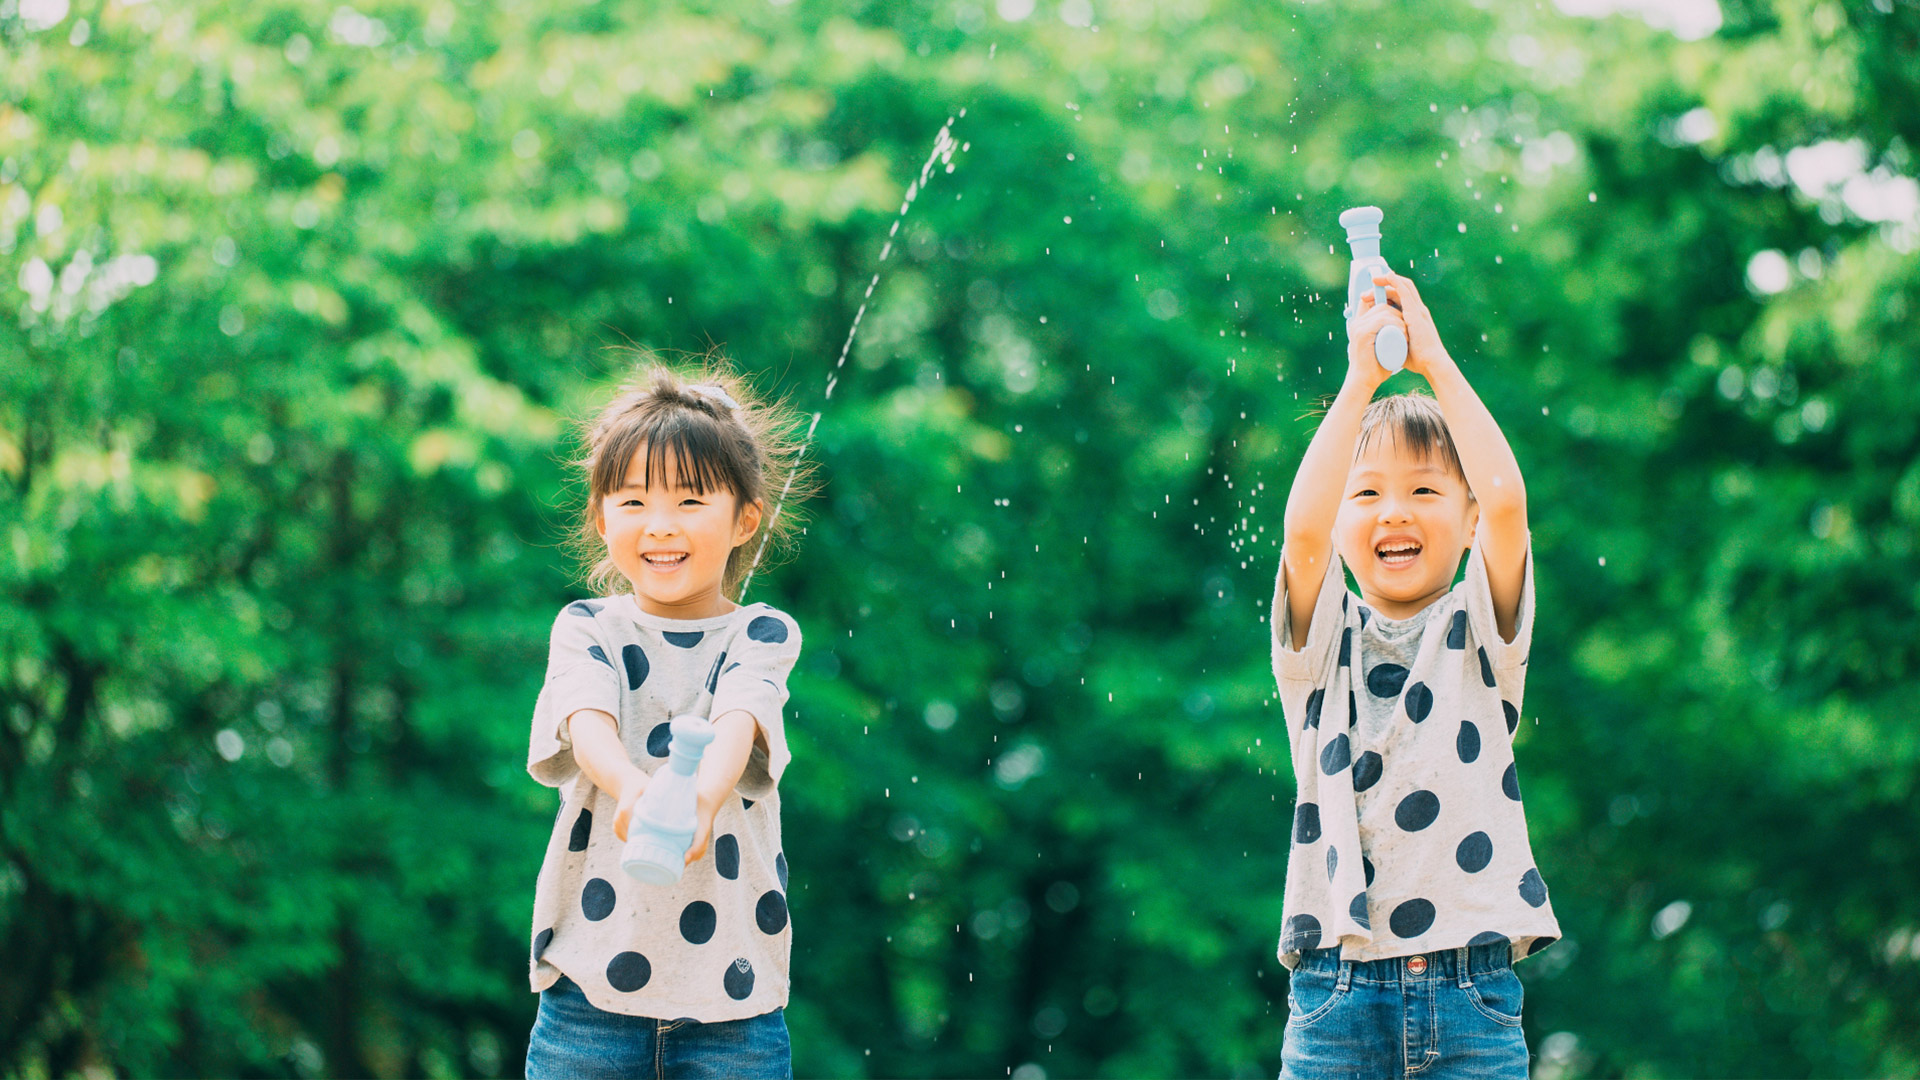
<point x="1413" y="422"/>
<point x="719" y="436"/>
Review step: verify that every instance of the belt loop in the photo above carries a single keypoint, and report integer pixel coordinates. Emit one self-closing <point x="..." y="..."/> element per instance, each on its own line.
<point x="1466" y="969"/>
<point x="1346" y="975"/>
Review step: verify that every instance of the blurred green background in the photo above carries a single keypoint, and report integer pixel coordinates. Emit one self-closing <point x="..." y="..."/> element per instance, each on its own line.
<point x="301" y="300"/>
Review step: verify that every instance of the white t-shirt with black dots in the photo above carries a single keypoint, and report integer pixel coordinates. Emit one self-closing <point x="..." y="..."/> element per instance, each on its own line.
<point x="1408" y="832"/>
<point x="716" y="945"/>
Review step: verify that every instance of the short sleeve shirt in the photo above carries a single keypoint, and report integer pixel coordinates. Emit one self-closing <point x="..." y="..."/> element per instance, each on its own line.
<point x="1408" y="833"/>
<point x="715" y="946"/>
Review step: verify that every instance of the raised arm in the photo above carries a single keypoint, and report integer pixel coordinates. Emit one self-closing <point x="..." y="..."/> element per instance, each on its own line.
<point x="1314" y="499"/>
<point x="1492" y="472"/>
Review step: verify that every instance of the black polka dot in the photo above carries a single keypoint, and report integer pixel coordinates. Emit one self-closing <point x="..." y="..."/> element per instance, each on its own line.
<point x="1337" y="755"/>
<point x="1513" y="715"/>
<point x="1411" y="919"/>
<point x="1353" y="709"/>
<point x="582" y="828"/>
<point x="1357" y="910"/>
<point x="726" y="856"/>
<point x="771" y="912"/>
<point x="583" y="609"/>
<point x="1474" y="853"/>
<point x="1363" y="616"/>
<point x="1486" y="667"/>
<point x="1540" y="943"/>
<point x="541" y="941"/>
<point x="1510" y="782"/>
<point x="1417" y="810"/>
<point x="596" y="900"/>
<point x="1333" y="861"/>
<point x="1457" y="633"/>
<point x="1532" y="889"/>
<point x="739" y="980"/>
<point x="598" y="654"/>
<point x="1346" y="647"/>
<point x="746" y="803"/>
<point x="1302" y="933"/>
<point x="660" y="739"/>
<point x="1314" y="701"/>
<point x="780" y="868"/>
<point x="697" y="922"/>
<point x="684" y="639"/>
<point x="1386" y="680"/>
<point x="1489" y="937"/>
<point x="713" y="677"/>
<point x="767" y="628"/>
<point x="1366" y="867"/>
<point x="636" y="662"/>
<point x="733" y="667"/>
<point x="1418" y="702"/>
<point x="1366" y="770"/>
<point x="628" y="972"/>
<point x="1467" y="743"/>
<point x="1306" y="823"/>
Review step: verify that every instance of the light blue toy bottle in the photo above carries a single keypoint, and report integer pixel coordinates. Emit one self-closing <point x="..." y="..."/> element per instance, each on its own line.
<point x="1363" y="236"/>
<point x="668" y="811"/>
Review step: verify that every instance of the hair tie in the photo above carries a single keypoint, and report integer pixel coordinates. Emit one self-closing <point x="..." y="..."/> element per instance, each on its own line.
<point x="707" y="390"/>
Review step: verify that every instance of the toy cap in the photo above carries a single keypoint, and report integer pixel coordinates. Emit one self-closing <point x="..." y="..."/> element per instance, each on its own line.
<point x="1362" y="222"/>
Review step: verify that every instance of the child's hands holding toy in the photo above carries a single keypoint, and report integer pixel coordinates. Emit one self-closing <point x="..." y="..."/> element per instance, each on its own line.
<point x="1425" y="353"/>
<point x="631" y="789"/>
<point x="1361" y="330"/>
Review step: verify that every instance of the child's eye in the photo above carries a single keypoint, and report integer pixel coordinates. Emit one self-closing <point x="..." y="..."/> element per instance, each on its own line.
<point x="1364" y="493"/>
<point x="1425" y="491"/>
<point x="691" y="502"/>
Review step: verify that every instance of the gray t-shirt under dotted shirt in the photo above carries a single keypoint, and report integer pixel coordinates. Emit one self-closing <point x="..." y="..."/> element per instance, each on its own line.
<point x="1408" y="832"/>
<point x="715" y="946"/>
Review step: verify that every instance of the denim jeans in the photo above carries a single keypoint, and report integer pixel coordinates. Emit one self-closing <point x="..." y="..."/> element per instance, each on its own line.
<point x="572" y="1038"/>
<point x="1445" y="1014"/>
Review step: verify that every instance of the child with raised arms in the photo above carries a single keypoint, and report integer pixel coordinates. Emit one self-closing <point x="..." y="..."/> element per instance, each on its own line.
<point x="1411" y="887"/>
<point x="687" y="979"/>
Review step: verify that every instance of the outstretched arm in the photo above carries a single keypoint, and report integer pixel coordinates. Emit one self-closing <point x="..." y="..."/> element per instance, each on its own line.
<point x="1314" y="500"/>
<point x="1485" y="456"/>
<point x="721" y="767"/>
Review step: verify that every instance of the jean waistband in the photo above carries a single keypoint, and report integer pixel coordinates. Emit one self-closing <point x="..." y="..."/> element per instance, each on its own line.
<point x="1440" y="964"/>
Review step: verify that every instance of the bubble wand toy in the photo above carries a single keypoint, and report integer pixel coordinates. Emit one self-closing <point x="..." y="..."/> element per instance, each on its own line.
<point x="1363" y="236"/>
<point x="668" y="811"/>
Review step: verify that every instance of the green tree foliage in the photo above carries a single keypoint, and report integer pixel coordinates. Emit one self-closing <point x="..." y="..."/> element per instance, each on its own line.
<point x="302" y="299"/>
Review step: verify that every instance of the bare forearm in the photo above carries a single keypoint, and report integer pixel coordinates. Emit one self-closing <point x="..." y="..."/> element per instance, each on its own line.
<point x="1314" y="499"/>
<point x="599" y="753"/>
<point x="1485" y="456"/>
<point x="726" y="757"/>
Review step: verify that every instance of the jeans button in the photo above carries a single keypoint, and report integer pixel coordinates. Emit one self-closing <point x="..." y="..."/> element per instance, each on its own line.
<point x="1417" y="965"/>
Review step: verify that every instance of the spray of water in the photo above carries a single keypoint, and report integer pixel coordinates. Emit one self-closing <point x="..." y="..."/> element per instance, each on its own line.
<point x="941" y="155"/>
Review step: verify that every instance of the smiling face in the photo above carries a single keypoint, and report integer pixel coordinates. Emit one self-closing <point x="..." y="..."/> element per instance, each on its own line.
<point x="671" y="539"/>
<point x="1404" y="522"/>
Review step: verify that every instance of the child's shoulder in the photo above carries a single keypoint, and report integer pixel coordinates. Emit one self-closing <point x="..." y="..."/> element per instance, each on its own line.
<point x="766" y="623"/>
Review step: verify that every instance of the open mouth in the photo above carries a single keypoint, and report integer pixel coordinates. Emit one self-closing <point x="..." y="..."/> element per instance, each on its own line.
<point x="664" y="560"/>
<point x="1395" y="554"/>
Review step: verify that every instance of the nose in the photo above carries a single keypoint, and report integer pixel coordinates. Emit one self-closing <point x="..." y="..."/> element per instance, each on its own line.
<point x="1393" y="510"/>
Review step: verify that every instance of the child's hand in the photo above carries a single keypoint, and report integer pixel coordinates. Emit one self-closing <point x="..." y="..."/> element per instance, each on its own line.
<point x="1361" y="331"/>
<point x="708" y="807"/>
<point x="631" y="789"/>
<point x="1425" y="354"/>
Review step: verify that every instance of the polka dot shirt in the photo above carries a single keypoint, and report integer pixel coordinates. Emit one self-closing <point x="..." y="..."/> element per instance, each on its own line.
<point x="1408" y="831"/>
<point x="716" y="945"/>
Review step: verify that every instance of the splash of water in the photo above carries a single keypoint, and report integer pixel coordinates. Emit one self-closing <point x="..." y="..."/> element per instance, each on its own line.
<point x="941" y="155"/>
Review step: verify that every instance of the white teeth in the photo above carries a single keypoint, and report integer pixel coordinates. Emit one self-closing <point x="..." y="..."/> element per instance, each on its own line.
<point x="665" y="560"/>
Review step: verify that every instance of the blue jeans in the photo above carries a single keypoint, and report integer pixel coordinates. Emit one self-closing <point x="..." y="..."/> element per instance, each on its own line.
<point x="572" y="1038"/>
<point x="1439" y="1015"/>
